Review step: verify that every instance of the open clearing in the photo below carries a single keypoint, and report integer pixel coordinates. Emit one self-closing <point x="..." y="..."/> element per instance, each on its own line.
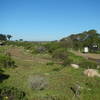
<point x="59" y="82"/>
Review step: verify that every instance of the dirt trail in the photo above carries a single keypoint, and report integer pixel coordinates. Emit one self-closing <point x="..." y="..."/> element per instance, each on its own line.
<point x="91" y="56"/>
<point x="19" y="53"/>
<point x="22" y="55"/>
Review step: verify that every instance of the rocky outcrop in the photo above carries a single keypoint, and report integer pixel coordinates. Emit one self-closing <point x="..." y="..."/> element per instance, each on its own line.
<point x="91" y="72"/>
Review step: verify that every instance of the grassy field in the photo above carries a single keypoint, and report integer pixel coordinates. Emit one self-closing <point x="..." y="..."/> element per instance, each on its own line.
<point x="60" y="79"/>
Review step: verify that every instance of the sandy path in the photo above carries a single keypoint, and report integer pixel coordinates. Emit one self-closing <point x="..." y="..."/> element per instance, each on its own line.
<point x="91" y="56"/>
<point x="21" y="54"/>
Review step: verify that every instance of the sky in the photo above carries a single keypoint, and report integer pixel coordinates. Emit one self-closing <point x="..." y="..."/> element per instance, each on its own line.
<point x="47" y="20"/>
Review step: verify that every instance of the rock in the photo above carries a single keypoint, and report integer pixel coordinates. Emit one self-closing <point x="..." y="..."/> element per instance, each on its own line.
<point x="91" y="72"/>
<point x="75" y="66"/>
<point x="98" y="66"/>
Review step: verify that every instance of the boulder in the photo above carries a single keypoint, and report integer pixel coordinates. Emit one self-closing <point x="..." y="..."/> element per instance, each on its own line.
<point x="98" y="66"/>
<point x="75" y="66"/>
<point x="91" y="72"/>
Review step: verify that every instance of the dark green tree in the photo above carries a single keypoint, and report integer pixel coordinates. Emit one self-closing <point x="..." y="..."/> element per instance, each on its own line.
<point x="9" y="37"/>
<point x="3" y="37"/>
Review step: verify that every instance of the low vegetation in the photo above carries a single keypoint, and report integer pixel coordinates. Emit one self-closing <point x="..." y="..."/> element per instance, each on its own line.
<point x="37" y="82"/>
<point x="11" y="93"/>
<point x="44" y="70"/>
<point x="6" y="61"/>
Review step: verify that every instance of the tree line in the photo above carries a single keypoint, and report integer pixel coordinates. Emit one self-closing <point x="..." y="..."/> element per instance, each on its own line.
<point x="80" y="40"/>
<point x="4" y="37"/>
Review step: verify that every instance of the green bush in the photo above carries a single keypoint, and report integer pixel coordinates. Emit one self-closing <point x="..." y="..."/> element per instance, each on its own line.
<point x="56" y="69"/>
<point x="52" y="46"/>
<point x="25" y="44"/>
<point x="67" y="61"/>
<point x="6" y="61"/>
<point x="39" y="49"/>
<point x="62" y="55"/>
<point x="50" y="63"/>
<point x="11" y="93"/>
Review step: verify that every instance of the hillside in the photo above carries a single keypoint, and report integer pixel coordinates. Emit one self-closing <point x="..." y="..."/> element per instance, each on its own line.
<point x="80" y="40"/>
<point x="59" y="79"/>
<point x="56" y="70"/>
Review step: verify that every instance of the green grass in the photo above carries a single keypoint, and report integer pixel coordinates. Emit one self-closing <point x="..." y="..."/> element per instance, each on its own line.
<point x="59" y="82"/>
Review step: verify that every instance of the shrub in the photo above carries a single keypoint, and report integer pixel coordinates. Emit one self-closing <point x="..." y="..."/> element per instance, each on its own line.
<point x="37" y="82"/>
<point x="52" y="46"/>
<point x="40" y="49"/>
<point x="62" y="55"/>
<point x="50" y="63"/>
<point x="6" y="60"/>
<point x="56" y="69"/>
<point x="67" y="61"/>
<point x="11" y="93"/>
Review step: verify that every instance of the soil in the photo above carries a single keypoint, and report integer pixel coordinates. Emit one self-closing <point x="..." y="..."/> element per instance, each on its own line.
<point x="90" y="56"/>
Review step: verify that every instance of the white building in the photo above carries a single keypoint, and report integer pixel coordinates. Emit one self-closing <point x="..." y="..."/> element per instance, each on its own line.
<point x="86" y="49"/>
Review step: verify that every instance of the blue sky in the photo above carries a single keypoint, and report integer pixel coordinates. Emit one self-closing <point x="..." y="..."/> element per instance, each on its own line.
<point x="41" y="20"/>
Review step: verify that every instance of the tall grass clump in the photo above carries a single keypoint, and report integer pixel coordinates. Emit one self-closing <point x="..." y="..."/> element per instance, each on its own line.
<point x="6" y="61"/>
<point x="11" y="93"/>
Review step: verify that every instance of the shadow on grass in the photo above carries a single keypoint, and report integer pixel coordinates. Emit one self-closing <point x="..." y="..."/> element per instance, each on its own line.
<point x="1" y="71"/>
<point x="1" y="98"/>
<point x="3" y="76"/>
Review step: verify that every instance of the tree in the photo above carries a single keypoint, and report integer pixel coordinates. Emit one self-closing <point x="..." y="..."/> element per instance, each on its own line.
<point x="9" y="37"/>
<point x="21" y="40"/>
<point x="78" y="41"/>
<point x="3" y="37"/>
<point x="92" y="32"/>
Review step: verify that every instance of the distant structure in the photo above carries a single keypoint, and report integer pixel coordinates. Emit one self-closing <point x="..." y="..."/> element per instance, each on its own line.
<point x="86" y="49"/>
<point x="91" y="48"/>
<point x="95" y="47"/>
